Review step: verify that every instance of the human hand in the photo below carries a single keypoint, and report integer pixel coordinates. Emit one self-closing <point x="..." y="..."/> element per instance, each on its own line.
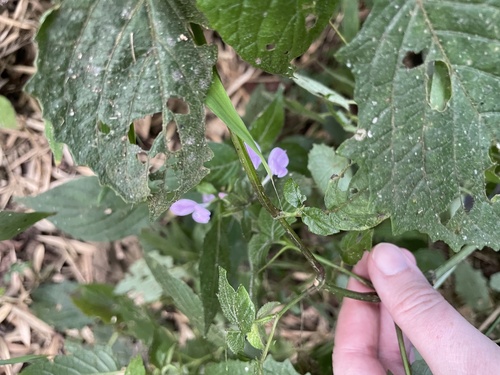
<point x="365" y="337"/>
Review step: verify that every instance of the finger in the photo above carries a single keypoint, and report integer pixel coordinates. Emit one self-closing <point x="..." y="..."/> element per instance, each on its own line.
<point x="389" y="352"/>
<point x="356" y="335"/>
<point x="448" y="343"/>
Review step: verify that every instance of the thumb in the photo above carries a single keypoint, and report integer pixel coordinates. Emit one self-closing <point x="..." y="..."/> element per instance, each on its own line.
<point x="447" y="342"/>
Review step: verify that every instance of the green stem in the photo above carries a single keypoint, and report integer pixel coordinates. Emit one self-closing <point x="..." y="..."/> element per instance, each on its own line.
<point x="402" y="350"/>
<point x="273" y="210"/>
<point x="328" y="263"/>
<point x="445" y="270"/>
<point x="277" y="317"/>
<point x="367" y="297"/>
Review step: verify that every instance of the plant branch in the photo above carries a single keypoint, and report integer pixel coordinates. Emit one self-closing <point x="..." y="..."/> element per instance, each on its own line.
<point x="273" y="210"/>
<point x="402" y="350"/>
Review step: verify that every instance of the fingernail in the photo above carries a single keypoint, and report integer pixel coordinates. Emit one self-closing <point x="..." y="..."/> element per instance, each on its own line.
<point x="389" y="259"/>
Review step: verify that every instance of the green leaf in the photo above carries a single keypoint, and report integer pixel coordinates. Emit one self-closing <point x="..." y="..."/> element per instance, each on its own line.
<point x="99" y="360"/>
<point x="292" y="193"/>
<point x="272" y="367"/>
<point x="23" y="359"/>
<point x="318" y="221"/>
<point x="224" y="166"/>
<point x="7" y="114"/>
<point x="14" y="223"/>
<point x="419" y="367"/>
<point x="267" y="309"/>
<point x="350" y="20"/>
<point x="90" y="212"/>
<point x="471" y="286"/>
<point x="232" y="367"/>
<point x="320" y="90"/>
<point x="254" y="337"/>
<point x="495" y="282"/>
<point x="235" y="340"/>
<point x="219" y="103"/>
<point x="136" y="367"/>
<point x="55" y="147"/>
<point x="103" y="64"/>
<point x="53" y="304"/>
<point x="324" y="164"/>
<point x="258" y="248"/>
<point x="268" y="125"/>
<point x="237" y="306"/>
<point x="183" y="296"/>
<point x="283" y="31"/>
<point x="98" y="300"/>
<point x="139" y="280"/>
<point x="354" y="244"/>
<point x="215" y="254"/>
<point x="421" y="154"/>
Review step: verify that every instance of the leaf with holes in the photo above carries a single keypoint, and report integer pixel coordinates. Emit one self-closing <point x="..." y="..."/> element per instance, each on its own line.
<point x="102" y="65"/>
<point x="428" y="91"/>
<point x="268" y="34"/>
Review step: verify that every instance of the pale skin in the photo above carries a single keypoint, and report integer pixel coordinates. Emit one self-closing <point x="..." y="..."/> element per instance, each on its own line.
<point x="365" y="338"/>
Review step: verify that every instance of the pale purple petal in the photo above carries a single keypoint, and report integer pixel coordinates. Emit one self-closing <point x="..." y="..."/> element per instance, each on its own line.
<point x="207" y="198"/>
<point x="183" y="207"/>
<point x="222" y="195"/>
<point x="201" y="215"/>
<point x="253" y="156"/>
<point x="278" y="161"/>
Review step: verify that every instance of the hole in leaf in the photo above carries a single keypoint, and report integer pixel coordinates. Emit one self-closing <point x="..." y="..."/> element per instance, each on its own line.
<point x="468" y="202"/>
<point x="270" y="47"/>
<point x="178" y="105"/>
<point x="157" y="162"/>
<point x="453" y="207"/>
<point x="146" y="129"/>
<point x="103" y="128"/>
<point x="142" y="156"/>
<point x="438" y="85"/>
<point x="311" y="20"/>
<point x="413" y="59"/>
<point x="172" y="137"/>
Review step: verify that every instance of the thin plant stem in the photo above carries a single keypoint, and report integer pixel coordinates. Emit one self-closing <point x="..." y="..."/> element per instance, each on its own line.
<point x="445" y="270"/>
<point x="273" y="210"/>
<point x="277" y="317"/>
<point x="402" y="350"/>
<point x="336" y="267"/>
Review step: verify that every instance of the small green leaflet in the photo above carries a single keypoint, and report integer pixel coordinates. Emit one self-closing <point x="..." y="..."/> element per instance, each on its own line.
<point x="238" y="308"/>
<point x="427" y="88"/>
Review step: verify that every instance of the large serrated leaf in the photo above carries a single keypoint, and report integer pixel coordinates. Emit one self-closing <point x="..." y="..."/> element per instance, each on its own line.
<point x="101" y="65"/>
<point x="268" y="34"/>
<point x="87" y="211"/>
<point x="421" y="146"/>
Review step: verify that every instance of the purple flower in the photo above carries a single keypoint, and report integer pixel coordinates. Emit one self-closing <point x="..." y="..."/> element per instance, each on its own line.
<point x="253" y="156"/>
<point x="278" y="161"/>
<point x="185" y="207"/>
